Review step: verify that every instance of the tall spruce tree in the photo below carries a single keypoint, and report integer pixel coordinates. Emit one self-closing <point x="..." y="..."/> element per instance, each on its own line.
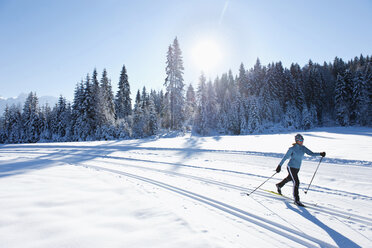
<point x="31" y="119"/>
<point x="152" y="120"/>
<point x="342" y="101"/>
<point x="201" y="121"/>
<point x="96" y="99"/>
<point x="123" y="102"/>
<point x="359" y="106"/>
<point x="89" y="112"/>
<point x="175" y="86"/>
<point x="254" y="121"/>
<point x="138" y="128"/>
<point x="46" y="120"/>
<point x="190" y="107"/>
<point x="107" y="100"/>
<point x="243" y="83"/>
<point x="211" y="106"/>
<point x="61" y="120"/>
<point x="12" y="125"/>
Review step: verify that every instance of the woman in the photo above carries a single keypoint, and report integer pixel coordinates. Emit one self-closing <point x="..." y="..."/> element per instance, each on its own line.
<point x="296" y="154"/>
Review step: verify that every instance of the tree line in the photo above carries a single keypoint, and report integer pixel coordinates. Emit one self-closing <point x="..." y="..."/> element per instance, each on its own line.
<point x="255" y="100"/>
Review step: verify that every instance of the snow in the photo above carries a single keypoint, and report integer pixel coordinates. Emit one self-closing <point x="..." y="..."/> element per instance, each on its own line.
<point x="186" y="192"/>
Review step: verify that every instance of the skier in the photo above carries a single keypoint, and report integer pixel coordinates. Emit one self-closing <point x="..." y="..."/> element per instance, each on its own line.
<point x="296" y="154"/>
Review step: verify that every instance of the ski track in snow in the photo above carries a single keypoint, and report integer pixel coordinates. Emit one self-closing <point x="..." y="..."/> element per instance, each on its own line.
<point x="349" y="216"/>
<point x="299" y="237"/>
<point x="211" y="181"/>
<point x="98" y="154"/>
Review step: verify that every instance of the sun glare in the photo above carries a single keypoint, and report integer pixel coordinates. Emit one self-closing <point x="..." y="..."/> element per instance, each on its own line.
<point x="207" y="55"/>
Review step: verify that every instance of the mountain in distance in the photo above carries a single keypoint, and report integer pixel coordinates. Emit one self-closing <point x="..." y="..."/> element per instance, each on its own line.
<point x="20" y="100"/>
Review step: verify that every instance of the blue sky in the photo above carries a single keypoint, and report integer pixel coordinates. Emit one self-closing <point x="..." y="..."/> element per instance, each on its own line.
<point x="48" y="46"/>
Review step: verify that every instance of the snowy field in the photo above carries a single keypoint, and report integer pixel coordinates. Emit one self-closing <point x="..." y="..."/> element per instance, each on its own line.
<point x="186" y="192"/>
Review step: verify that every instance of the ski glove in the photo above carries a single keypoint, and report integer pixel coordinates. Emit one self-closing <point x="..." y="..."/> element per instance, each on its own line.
<point x="278" y="169"/>
<point x="322" y="154"/>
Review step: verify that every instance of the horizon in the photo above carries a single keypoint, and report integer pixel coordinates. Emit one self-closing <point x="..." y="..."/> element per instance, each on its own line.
<point x="49" y="47"/>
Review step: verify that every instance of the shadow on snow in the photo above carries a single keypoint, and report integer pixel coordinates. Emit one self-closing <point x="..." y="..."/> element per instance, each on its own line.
<point x="339" y="239"/>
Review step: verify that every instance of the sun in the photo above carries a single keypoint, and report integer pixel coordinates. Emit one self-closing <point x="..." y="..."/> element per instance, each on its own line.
<point x="207" y="54"/>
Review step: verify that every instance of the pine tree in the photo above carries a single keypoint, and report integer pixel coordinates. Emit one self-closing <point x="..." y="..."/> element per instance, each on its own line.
<point x="359" y="112"/>
<point x="46" y="119"/>
<point x="157" y="98"/>
<point x="175" y="86"/>
<point x="138" y="118"/>
<point x="341" y="101"/>
<point x="12" y="127"/>
<point x="243" y="83"/>
<point x="105" y="128"/>
<point x="153" y="124"/>
<point x="123" y="102"/>
<point x="279" y="85"/>
<point x="234" y="117"/>
<point x="3" y="134"/>
<point x="31" y="119"/>
<point x="222" y="89"/>
<point x="368" y="78"/>
<point x="190" y="106"/>
<point x="83" y="113"/>
<point x="269" y="95"/>
<point x="257" y="78"/>
<point x="254" y="122"/>
<point x="211" y="106"/>
<point x="314" y="88"/>
<point x="96" y="99"/>
<point x="292" y="118"/>
<point x="107" y="100"/>
<point x="78" y="114"/>
<point x="201" y="123"/>
<point x="338" y="68"/>
<point x="88" y="110"/>
<point x="288" y="87"/>
<point x="233" y="124"/>
<point x="61" y="120"/>
<point x="145" y="99"/>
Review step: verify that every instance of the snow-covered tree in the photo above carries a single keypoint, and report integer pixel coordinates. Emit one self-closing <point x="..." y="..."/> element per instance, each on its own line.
<point x="89" y="112"/>
<point x="12" y="126"/>
<point x="61" y="121"/>
<point x="308" y="117"/>
<point x="360" y="103"/>
<point x="153" y="123"/>
<point x="190" y="106"/>
<point x="96" y="99"/>
<point x="201" y="122"/>
<point x="78" y="113"/>
<point x="254" y="121"/>
<point x="123" y="102"/>
<point x="342" y="101"/>
<point x="138" y="128"/>
<point x="107" y="100"/>
<point x="175" y="86"/>
<point x="257" y="78"/>
<point x="46" y="119"/>
<point x="31" y="119"/>
<point x="292" y="117"/>
<point x="211" y="106"/>
<point x="243" y="82"/>
<point x="234" y="105"/>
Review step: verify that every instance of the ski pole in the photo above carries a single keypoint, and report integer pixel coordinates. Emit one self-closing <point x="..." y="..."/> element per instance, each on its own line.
<point x="313" y="176"/>
<point x="262" y="184"/>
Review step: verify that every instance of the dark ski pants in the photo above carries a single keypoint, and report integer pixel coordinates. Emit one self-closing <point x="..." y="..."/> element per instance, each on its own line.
<point x="292" y="176"/>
